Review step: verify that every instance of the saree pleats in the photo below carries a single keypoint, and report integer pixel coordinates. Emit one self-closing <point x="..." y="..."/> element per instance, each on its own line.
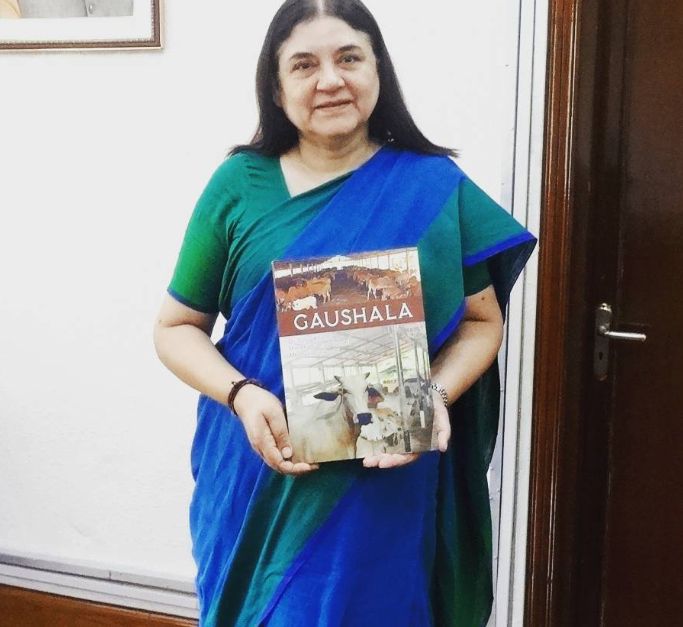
<point x="347" y="545"/>
<point x="340" y="580"/>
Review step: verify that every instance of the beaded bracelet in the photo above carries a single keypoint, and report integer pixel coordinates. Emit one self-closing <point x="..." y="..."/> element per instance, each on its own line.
<point x="236" y="387"/>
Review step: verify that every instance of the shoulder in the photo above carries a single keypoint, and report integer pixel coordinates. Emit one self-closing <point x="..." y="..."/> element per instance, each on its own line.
<point x="227" y="181"/>
<point x="223" y="191"/>
<point x="426" y="161"/>
<point x="425" y="169"/>
<point x="231" y="170"/>
<point x="241" y="171"/>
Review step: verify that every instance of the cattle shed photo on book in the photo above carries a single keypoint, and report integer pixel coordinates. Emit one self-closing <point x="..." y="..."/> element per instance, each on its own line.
<point x="354" y="355"/>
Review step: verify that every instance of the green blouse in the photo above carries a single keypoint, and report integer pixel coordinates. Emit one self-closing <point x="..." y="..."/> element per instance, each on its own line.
<point x="238" y="221"/>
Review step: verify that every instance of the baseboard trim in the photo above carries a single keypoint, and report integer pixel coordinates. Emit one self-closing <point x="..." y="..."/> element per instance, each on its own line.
<point x="20" y="607"/>
<point x="117" y="588"/>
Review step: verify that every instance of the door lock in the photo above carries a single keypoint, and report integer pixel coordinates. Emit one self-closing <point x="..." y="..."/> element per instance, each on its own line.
<point x="604" y="333"/>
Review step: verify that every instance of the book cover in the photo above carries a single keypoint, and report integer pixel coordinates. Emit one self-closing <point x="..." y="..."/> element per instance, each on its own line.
<point x="354" y="355"/>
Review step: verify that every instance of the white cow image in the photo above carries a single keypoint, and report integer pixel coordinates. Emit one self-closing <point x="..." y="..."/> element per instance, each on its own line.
<point x="373" y="436"/>
<point x="333" y="434"/>
<point x="304" y="303"/>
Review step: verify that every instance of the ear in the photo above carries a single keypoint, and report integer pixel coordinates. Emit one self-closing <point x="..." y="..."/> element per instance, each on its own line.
<point x="337" y="378"/>
<point x="326" y="396"/>
<point x="375" y="395"/>
<point x="367" y="374"/>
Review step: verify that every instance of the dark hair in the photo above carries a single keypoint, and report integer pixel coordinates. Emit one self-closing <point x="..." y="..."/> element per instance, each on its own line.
<point x="390" y="122"/>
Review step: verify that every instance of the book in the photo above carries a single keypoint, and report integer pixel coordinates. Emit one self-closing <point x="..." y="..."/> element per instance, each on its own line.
<point x="355" y="359"/>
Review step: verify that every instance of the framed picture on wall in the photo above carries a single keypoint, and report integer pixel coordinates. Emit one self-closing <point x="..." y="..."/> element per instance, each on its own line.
<point x="80" y="24"/>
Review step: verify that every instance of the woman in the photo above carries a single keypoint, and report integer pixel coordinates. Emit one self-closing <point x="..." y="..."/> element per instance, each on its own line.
<point x="337" y="166"/>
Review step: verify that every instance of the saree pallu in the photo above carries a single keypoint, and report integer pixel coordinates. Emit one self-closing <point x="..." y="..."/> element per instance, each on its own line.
<point x="348" y="545"/>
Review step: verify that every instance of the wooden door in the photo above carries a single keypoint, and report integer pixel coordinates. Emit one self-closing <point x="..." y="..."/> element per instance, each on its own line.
<point x="606" y="519"/>
<point x="638" y="243"/>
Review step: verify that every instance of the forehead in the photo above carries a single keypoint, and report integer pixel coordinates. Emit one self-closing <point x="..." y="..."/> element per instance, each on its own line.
<point x="355" y="382"/>
<point x="322" y="35"/>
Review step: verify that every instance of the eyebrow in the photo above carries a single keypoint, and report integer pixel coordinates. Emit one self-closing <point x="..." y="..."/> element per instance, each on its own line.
<point x="306" y="55"/>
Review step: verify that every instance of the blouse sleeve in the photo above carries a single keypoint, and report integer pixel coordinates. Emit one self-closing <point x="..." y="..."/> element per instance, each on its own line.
<point x="476" y="277"/>
<point x="198" y="276"/>
<point x="490" y="235"/>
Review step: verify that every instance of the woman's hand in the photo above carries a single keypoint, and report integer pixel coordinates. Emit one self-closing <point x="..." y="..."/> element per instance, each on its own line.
<point x="264" y="421"/>
<point x="442" y="422"/>
<point x="465" y="356"/>
<point x="442" y="425"/>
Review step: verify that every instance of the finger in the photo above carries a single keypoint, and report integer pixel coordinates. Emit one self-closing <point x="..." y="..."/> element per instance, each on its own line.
<point x="371" y="461"/>
<point x="267" y="448"/>
<point x="298" y="469"/>
<point x="443" y="434"/>
<point x="396" y="460"/>
<point x="278" y="427"/>
<point x="269" y="451"/>
<point x="262" y="441"/>
<point x="388" y="460"/>
<point x="286" y="467"/>
<point x="255" y="428"/>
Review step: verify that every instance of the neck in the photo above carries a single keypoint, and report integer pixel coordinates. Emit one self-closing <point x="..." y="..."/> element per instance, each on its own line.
<point x="334" y="155"/>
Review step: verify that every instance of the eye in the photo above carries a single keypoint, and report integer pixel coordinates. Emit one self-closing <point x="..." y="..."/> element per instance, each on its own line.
<point x="350" y="58"/>
<point x="302" y="66"/>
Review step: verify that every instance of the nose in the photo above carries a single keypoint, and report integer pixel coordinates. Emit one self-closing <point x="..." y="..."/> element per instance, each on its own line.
<point x="330" y="78"/>
<point x="364" y="418"/>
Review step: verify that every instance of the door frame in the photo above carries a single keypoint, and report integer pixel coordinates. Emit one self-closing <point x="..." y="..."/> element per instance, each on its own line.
<point x="566" y="512"/>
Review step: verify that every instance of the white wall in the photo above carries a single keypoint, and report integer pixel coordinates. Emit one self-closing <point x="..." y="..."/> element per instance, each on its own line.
<point x="102" y="157"/>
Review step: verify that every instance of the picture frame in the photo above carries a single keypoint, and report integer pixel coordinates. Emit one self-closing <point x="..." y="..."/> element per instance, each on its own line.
<point x="77" y="25"/>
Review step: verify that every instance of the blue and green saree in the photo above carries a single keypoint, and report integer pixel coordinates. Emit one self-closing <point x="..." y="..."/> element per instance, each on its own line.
<point x="344" y="545"/>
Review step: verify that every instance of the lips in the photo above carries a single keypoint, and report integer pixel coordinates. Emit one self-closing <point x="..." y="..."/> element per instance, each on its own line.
<point x="331" y="105"/>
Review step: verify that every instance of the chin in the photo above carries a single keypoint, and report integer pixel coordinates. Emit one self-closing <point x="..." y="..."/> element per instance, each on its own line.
<point x="335" y="131"/>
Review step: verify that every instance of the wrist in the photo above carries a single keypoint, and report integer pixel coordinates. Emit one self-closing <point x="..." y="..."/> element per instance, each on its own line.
<point x="247" y="397"/>
<point x="236" y="389"/>
<point x="441" y="391"/>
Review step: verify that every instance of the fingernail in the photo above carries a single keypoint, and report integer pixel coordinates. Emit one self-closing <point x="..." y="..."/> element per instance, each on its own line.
<point x="286" y="452"/>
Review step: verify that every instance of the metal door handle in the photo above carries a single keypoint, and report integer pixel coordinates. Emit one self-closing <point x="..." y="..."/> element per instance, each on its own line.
<point x="603" y="334"/>
<point x="604" y="331"/>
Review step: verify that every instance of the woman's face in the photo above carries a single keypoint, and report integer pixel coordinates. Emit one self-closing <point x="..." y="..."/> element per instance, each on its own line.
<point x="328" y="77"/>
